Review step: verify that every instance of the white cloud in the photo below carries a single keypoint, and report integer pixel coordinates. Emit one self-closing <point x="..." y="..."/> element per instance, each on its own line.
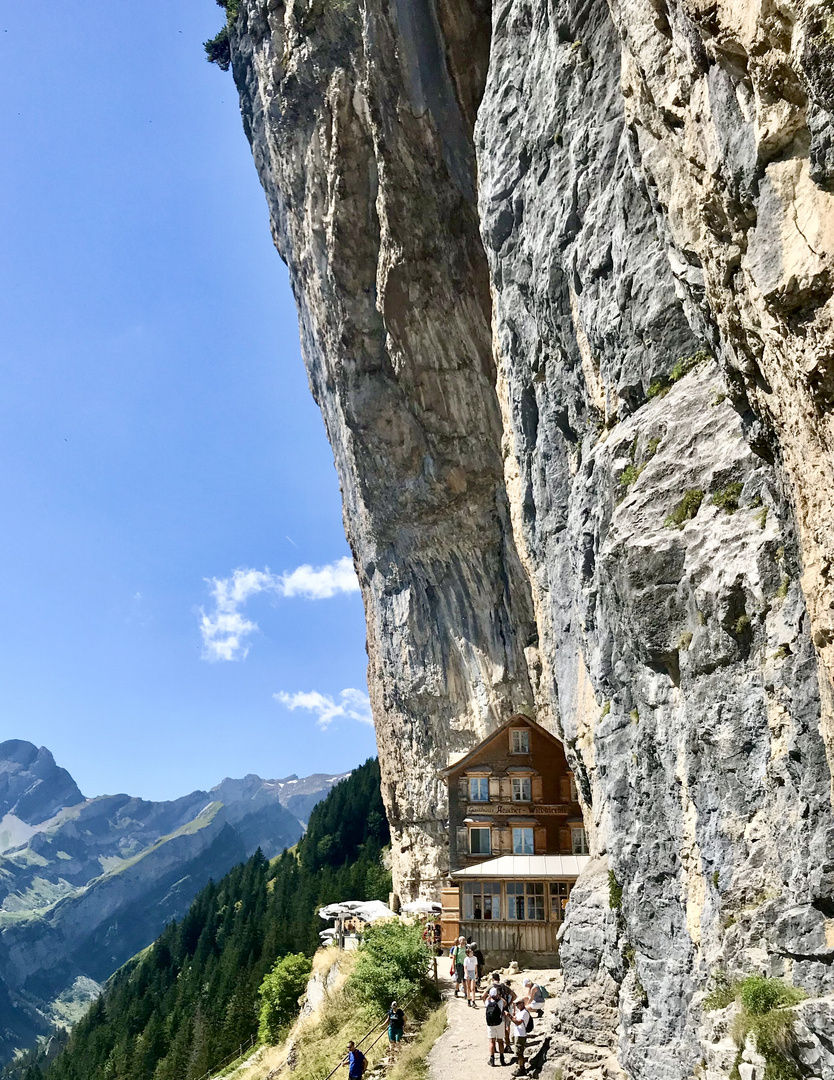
<point x="321" y="583"/>
<point x="224" y="629"/>
<point x="353" y="704"/>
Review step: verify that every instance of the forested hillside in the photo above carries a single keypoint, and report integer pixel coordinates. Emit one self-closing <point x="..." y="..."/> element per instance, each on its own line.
<point x="191" y="998"/>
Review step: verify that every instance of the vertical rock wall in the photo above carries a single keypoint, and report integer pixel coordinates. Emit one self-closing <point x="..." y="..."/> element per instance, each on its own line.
<point x="361" y="130"/>
<point x="580" y="412"/>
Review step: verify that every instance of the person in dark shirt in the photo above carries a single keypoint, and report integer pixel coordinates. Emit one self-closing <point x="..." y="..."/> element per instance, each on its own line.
<point x="396" y="1024"/>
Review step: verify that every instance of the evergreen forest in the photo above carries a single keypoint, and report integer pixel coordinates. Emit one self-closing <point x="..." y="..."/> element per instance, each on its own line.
<point x="176" y="1010"/>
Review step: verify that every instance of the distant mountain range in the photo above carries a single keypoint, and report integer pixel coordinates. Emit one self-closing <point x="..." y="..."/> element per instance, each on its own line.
<point x="87" y="883"/>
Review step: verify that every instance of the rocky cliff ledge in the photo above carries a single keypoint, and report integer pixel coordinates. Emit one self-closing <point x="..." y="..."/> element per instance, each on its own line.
<point x="564" y="276"/>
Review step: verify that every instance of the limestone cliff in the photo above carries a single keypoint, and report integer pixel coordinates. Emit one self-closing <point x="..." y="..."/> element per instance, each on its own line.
<point x="564" y="276"/>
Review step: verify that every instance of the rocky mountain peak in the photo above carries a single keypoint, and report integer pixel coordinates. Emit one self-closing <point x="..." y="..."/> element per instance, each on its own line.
<point x="32" y="787"/>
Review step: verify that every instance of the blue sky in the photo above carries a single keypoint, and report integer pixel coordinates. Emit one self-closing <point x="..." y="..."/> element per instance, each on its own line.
<point x="156" y="428"/>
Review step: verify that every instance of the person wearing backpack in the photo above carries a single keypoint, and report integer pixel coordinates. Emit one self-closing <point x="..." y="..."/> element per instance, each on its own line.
<point x="522" y="1024"/>
<point x="355" y="1061"/>
<point x="533" y="998"/>
<point x="495" y="1025"/>
<point x="457" y="954"/>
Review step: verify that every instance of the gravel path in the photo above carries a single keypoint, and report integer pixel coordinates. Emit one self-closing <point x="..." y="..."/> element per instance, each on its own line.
<point x="462" y="1051"/>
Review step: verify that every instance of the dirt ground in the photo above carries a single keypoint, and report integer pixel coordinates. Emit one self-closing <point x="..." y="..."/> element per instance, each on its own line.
<point x="463" y="1051"/>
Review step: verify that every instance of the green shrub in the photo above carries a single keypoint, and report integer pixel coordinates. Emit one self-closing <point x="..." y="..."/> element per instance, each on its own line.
<point x="782" y="591"/>
<point x="393" y="963"/>
<point x="727" y="498"/>
<point x="682" y="366"/>
<point x="279" y="993"/>
<point x="686" y="509"/>
<point x="606" y="709"/>
<point x="782" y="652"/>
<point x="615" y="892"/>
<point x="651" y="449"/>
<point x="764" y="1013"/>
<point x="630" y="475"/>
<point x="634" y="716"/>
<point x="761" y="517"/>
<point x="685" y="640"/>
<point x="760" y="995"/>
<point x="218" y="50"/>
<point x="742" y="625"/>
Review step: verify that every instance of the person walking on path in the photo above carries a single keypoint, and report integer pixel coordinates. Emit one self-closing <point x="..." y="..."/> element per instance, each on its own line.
<point x="522" y="1024"/>
<point x="356" y="1062"/>
<point x="479" y="956"/>
<point x="495" y="1025"/>
<point x="396" y="1024"/>
<point x="470" y="971"/>
<point x="507" y="995"/>
<point x="458" y="955"/>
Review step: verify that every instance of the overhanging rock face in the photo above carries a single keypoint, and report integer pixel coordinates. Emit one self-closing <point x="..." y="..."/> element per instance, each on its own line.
<point x="564" y="275"/>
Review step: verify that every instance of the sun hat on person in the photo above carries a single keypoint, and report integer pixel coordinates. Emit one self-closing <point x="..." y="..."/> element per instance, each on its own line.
<point x="493" y="993"/>
<point x="528" y="982"/>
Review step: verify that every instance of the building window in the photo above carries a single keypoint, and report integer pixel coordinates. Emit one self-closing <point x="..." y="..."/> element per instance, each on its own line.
<point x="559" y="896"/>
<point x="521" y="789"/>
<point x="479" y="842"/>
<point x="520" y="741"/>
<point x="578" y="841"/>
<point x="479" y="789"/>
<point x="525" y="900"/>
<point x="482" y="900"/>
<point x="522" y="841"/>
<point x="574" y="794"/>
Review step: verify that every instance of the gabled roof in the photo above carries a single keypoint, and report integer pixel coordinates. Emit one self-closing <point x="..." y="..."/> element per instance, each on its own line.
<point x="515" y="721"/>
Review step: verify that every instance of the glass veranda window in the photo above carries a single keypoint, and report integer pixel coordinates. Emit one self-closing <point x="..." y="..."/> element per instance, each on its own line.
<point x="482" y="900"/>
<point x="522" y="790"/>
<point x="479" y="789"/>
<point x="522" y="841"/>
<point x="559" y="896"/>
<point x="479" y="842"/>
<point x="579" y="841"/>
<point x="525" y="900"/>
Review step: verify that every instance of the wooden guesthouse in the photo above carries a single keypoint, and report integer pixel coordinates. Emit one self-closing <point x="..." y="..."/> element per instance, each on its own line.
<point x="517" y="843"/>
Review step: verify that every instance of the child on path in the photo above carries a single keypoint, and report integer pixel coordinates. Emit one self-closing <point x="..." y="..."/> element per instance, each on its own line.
<point x="495" y="1025"/>
<point x="470" y="971"/>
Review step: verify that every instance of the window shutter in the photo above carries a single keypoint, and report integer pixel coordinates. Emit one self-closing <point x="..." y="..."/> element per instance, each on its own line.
<point x="494" y="788"/>
<point x="463" y="788"/>
<point x="506" y="789"/>
<point x="463" y="840"/>
<point x="564" y="840"/>
<point x="540" y="840"/>
<point x="538" y="794"/>
<point x="564" y="788"/>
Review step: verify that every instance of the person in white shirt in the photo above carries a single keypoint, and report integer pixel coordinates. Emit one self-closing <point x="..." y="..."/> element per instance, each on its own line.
<point x="519" y="1019"/>
<point x="470" y="971"/>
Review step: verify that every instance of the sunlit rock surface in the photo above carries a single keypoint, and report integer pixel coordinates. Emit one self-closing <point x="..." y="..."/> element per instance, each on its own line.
<point x="564" y="274"/>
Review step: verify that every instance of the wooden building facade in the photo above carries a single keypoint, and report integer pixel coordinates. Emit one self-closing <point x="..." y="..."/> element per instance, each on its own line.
<point x="517" y="842"/>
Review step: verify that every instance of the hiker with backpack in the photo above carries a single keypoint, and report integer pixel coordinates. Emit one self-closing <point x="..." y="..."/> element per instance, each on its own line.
<point x="457" y="954"/>
<point x="495" y="1025"/>
<point x="355" y="1061"/>
<point x="534" y="998"/>
<point x="522" y="1024"/>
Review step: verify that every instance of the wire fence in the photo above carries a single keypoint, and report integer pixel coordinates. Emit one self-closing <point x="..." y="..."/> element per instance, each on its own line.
<point x="380" y="1023"/>
<point x="241" y="1050"/>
